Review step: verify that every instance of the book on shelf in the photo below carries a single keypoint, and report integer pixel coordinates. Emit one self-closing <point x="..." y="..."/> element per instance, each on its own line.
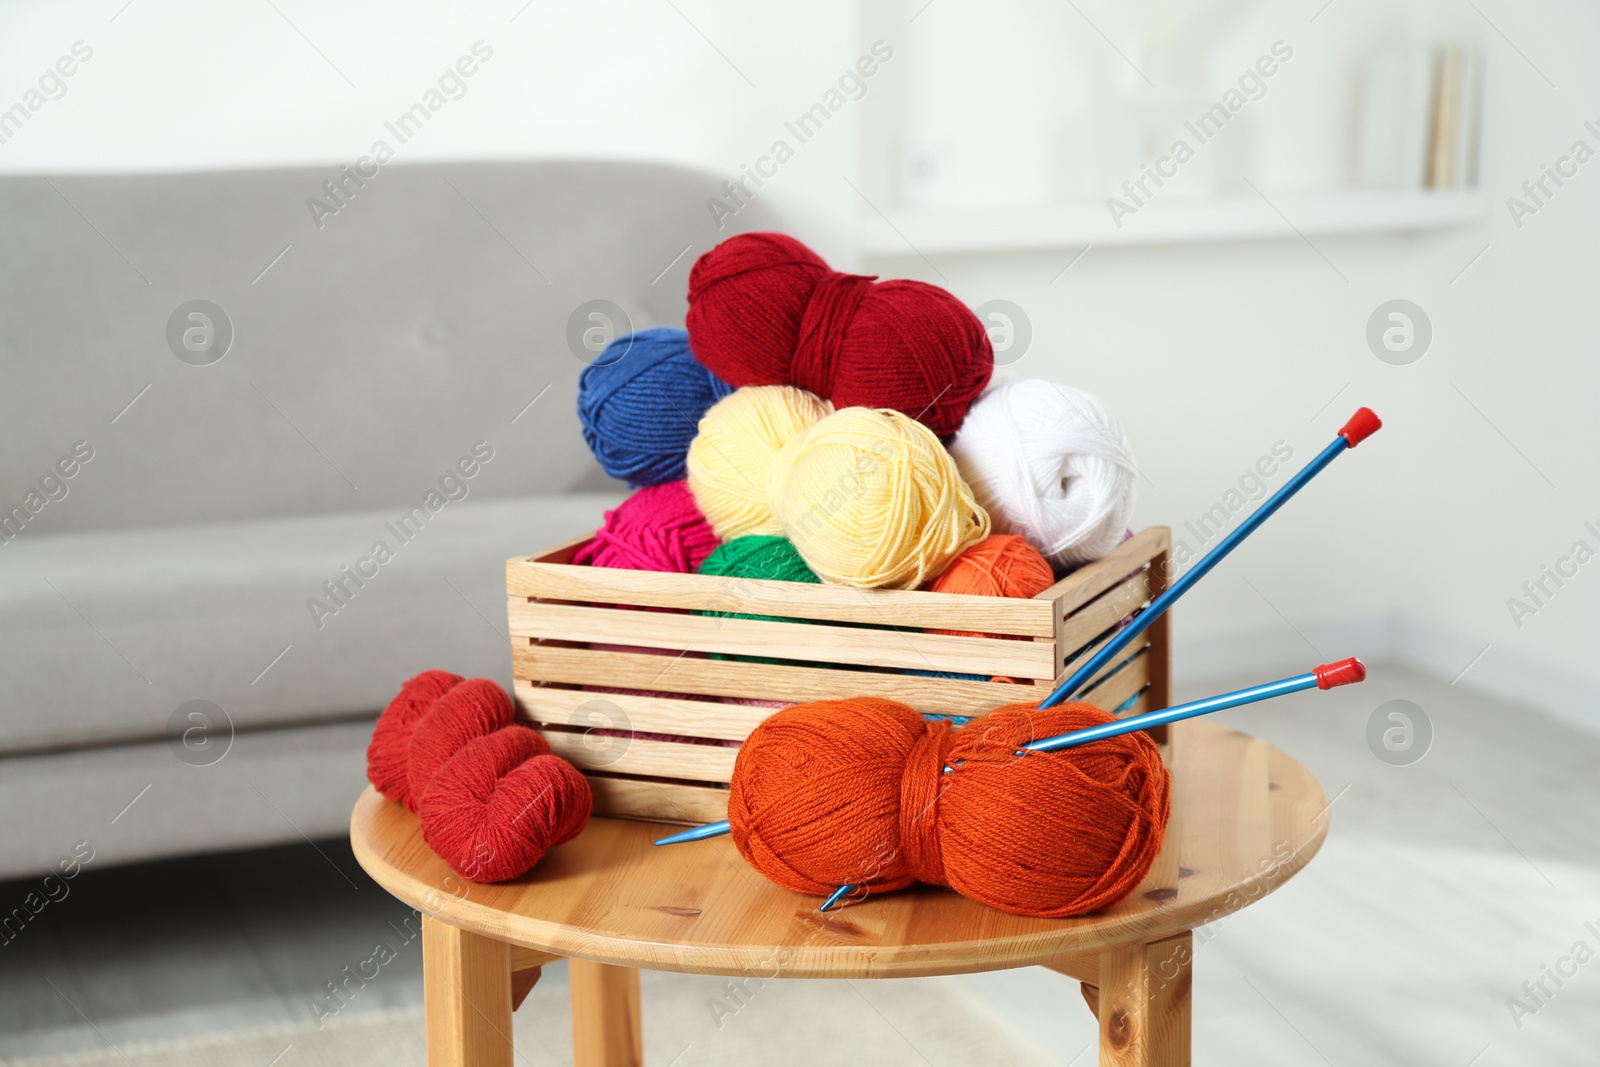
<point x="1421" y="115"/>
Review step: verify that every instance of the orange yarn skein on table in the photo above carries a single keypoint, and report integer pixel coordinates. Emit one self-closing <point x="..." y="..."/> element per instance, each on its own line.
<point x="853" y="792"/>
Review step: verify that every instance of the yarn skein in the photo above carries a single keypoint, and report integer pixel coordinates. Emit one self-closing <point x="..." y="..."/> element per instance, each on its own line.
<point x="870" y="498"/>
<point x="729" y="460"/>
<point x="498" y="805"/>
<point x="1051" y="463"/>
<point x="639" y="403"/>
<point x="470" y="710"/>
<point x="999" y="565"/>
<point x="658" y="528"/>
<point x="766" y="310"/>
<point x="489" y="795"/>
<point x="387" y="763"/>
<point x="852" y="792"/>
<point x="757" y="556"/>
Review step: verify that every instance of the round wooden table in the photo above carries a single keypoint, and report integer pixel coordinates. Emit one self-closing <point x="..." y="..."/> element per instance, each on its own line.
<point x="1245" y="818"/>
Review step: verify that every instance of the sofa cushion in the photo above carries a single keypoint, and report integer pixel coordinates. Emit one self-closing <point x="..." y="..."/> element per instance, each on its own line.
<point x="136" y="802"/>
<point x="369" y="347"/>
<point x="104" y="634"/>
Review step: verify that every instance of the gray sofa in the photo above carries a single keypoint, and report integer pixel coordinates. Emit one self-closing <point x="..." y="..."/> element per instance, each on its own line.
<point x="170" y="521"/>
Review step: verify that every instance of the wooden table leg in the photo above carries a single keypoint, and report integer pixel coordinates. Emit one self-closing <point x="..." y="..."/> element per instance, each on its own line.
<point x="605" y="1015"/>
<point x="522" y="983"/>
<point x="466" y="979"/>
<point x="1144" y="1004"/>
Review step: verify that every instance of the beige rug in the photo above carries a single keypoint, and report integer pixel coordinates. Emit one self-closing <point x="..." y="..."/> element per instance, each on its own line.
<point x="689" y="1020"/>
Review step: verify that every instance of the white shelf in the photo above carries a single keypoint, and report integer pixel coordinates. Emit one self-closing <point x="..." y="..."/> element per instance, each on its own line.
<point x="939" y="230"/>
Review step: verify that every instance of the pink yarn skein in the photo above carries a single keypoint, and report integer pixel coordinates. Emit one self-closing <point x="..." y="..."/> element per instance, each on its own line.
<point x="658" y="528"/>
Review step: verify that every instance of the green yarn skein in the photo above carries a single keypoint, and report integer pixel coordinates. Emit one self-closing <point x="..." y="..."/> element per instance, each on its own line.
<point x="767" y="556"/>
<point x="758" y="556"/>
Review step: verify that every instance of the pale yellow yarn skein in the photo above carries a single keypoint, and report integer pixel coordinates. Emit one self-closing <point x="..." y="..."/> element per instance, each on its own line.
<point x="870" y="498"/>
<point x="731" y="457"/>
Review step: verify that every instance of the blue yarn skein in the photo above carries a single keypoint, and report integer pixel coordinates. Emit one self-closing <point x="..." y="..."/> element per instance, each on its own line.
<point x="949" y="674"/>
<point x="640" y="403"/>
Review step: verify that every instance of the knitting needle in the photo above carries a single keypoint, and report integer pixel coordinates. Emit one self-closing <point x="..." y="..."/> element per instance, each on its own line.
<point x="1362" y="425"/>
<point x="1326" y="676"/>
<point x="696" y="833"/>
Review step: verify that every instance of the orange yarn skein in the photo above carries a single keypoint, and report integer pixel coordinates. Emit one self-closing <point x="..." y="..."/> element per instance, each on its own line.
<point x="999" y="565"/>
<point x="853" y="792"/>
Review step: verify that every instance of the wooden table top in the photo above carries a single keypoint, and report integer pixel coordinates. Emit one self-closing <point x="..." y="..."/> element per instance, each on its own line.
<point x="1246" y="817"/>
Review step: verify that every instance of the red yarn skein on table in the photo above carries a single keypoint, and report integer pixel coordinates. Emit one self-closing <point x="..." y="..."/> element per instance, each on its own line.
<point x="853" y="792"/>
<point x="387" y="762"/>
<point x="766" y="310"/>
<point x="490" y="796"/>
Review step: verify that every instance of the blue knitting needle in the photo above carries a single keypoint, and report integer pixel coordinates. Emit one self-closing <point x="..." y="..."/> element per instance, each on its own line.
<point x="1324" y="677"/>
<point x="1327" y="676"/>
<point x="1362" y="425"/>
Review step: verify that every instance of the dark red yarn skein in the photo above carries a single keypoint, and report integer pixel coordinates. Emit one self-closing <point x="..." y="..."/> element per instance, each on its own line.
<point x="766" y="310"/>
<point x="490" y="796"/>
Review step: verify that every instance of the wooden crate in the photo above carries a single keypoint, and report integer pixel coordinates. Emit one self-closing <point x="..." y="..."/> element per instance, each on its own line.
<point x="856" y="642"/>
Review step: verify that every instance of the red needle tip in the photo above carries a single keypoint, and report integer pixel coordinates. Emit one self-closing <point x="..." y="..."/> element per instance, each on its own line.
<point x="1345" y="672"/>
<point x="1362" y="425"/>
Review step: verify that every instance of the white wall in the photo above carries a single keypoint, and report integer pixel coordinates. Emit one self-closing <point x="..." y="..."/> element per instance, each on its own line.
<point x="194" y="85"/>
<point x="1212" y="353"/>
<point x="1519" y="332"/>
<point x="1411" y="545"/>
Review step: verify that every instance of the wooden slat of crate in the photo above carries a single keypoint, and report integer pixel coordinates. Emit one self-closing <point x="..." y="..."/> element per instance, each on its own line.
<point x="1104" y="612"/>
<point x="783" y="640"/>
<point x="1159" y="634"/>
<point x="1108" y="695"/>
<point x="662" y="715"/>
<point x="1096" y="623"/>
<point x="1090" y="580"/>
<point x="1140" y="644"/>
<point x="638" y="755"/>
<point x="535" y="577"/>
<point x="561" y="553"/>
<point x="696" y="718"/>
<point x="629" y="670"/>
<point x="634" y="798"/>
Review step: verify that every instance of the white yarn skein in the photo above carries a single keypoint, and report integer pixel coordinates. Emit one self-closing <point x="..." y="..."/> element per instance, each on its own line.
<point x="1051" y="463"/>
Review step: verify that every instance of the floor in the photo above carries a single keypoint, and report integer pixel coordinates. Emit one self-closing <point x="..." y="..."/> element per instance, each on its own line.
<point x="1447" y="884"/>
